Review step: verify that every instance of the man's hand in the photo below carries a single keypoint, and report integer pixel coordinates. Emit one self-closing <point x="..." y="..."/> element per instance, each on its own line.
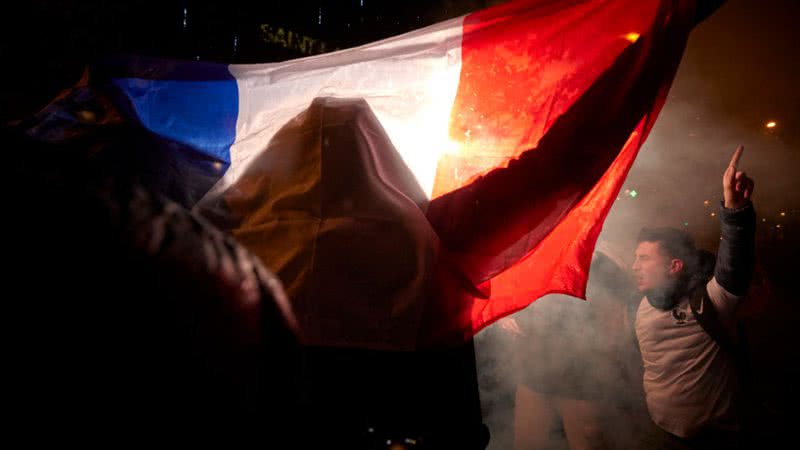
<point x="736" y="186"/>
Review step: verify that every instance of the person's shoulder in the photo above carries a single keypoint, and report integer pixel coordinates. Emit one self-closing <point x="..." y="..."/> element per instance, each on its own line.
<point x="723" y="301"/>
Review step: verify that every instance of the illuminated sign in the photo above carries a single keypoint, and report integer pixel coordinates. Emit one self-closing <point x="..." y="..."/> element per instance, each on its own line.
<point x="292" y="40"/>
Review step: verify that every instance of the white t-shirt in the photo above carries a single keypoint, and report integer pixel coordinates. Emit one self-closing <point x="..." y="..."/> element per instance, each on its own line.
<point x="689" y="381"/>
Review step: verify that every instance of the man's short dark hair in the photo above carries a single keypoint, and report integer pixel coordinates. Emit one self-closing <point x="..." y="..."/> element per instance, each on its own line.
<point x="675" y="243"/>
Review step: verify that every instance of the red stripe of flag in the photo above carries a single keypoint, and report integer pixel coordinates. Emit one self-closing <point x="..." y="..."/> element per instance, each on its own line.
<point x="564" y="94"/>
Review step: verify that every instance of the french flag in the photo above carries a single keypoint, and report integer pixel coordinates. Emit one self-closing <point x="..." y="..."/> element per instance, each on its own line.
<point x="411" y="191"/>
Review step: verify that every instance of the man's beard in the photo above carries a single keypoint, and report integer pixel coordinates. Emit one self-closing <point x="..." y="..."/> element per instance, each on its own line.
<point x="666" y="296"/>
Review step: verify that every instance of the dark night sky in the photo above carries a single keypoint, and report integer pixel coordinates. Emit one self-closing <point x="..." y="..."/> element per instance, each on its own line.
<point x="740" y="70"/>
<point x="746" y="63"/>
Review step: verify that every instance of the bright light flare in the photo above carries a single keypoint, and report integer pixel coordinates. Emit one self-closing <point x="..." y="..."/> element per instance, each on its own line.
<point x="632" y="37"/>
<point x="772" y="124"/>
<point x="420" y="129"/>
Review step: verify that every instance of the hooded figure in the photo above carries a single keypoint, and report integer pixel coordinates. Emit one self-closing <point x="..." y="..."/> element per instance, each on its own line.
<point x="330" y="183"/>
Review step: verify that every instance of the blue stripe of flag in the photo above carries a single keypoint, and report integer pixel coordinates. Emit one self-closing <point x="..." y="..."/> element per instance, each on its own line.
<point x="195" y="104"/>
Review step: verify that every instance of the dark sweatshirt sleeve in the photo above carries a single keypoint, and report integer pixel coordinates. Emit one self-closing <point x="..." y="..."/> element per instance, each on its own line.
<point x="736" y="256"/>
